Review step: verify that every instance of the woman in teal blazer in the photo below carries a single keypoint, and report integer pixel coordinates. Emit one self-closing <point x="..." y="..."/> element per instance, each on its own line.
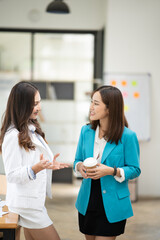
<point x="103" y="201"/>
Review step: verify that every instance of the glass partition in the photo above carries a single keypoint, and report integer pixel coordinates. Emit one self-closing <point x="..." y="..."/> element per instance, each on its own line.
<point x="63" y="68"/>
<point x="63" y="57"/>
<point x="15" y="54"/>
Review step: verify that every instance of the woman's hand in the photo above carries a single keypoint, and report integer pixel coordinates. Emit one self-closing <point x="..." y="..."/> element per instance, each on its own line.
<point x="99" y="171"/>
<point x="57" y="165"/>
<point x="46" y="164"/>
<point x="42" y="164"/>
<point x="82" y="169"/>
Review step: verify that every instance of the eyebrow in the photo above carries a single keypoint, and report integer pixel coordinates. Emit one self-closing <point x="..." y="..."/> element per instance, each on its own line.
<point x="37" y="101"/>
<point x="96" y="101"/>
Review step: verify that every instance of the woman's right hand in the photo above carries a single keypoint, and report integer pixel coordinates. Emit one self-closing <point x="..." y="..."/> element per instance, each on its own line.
<point x="55" y="165"/>
<point x="81" y="169"/>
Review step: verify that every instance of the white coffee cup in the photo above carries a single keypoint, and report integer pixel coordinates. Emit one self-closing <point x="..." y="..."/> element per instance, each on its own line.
<point x="90" y="162"/>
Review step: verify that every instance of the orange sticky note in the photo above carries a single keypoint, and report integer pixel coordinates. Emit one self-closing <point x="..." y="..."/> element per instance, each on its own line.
<point x="136" y="94"/>
<point x="124" y="83"/>
<point x="113" y="83"/>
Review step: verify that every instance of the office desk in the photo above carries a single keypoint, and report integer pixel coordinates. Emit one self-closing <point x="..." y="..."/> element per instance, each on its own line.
<point x="8" y="225"/>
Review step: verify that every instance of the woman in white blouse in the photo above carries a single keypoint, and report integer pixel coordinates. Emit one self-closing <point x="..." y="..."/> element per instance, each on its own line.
<point x="103" y="201"/>
<point x="28" y="162"/>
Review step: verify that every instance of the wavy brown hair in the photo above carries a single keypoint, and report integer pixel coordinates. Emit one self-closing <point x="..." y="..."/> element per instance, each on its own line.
<point x="19" y="109"/>
<point x="113" y="99"/>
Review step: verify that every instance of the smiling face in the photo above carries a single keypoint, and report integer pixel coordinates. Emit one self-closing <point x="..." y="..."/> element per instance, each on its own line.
<point x="37" y="106"/>
<point x="98" y="110"/>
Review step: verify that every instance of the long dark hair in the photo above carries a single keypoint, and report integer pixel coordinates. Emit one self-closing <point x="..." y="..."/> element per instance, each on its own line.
<point x="113" y="99"/>
<point x="19" y="109"/>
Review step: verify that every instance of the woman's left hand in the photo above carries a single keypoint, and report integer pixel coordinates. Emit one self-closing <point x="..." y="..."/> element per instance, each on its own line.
<point x="57" y="165"/>
<point x="99" y="171"/>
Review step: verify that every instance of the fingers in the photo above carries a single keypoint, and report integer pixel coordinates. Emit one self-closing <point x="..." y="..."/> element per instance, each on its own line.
<point x="84" y="169"/>
<point x="41" y="157"/>
<point x="45" y="164"/>
<point x="60" y="166"/>
<point x="84" y="175"/>
<point x="92" y="170"/>
<point x="92" y="173"/>
<point x="83" y="172"/>
<point x="53" y="167"/>
<point x="55" y="156"/>
<point x="63" y="165"/>
<point x="44" y="160"/>
<point x="56" y="165"/>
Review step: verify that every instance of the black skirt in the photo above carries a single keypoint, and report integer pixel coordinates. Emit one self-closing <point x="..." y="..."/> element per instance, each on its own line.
<point x="95" y="221"/>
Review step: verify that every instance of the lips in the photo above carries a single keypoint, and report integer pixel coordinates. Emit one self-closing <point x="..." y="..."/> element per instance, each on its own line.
<point x="91" y="113"/>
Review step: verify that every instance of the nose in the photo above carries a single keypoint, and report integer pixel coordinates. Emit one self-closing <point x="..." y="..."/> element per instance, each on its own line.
<point x="39" y="107"/>
<point x="91" y="106"/>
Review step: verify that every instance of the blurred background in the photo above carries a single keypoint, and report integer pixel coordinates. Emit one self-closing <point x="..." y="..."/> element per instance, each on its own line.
<point x="67" y="56"/>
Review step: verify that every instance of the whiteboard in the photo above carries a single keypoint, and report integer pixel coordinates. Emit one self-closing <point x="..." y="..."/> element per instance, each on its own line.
<point x="135" y="89"/>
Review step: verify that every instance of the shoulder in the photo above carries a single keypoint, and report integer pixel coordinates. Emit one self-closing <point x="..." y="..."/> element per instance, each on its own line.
<point x="10" y="140"/>
<point x="128" y="134"/>
<point x="86" y="128"/>
<point x="128" y="131"/>
<point x="11" y="134"/>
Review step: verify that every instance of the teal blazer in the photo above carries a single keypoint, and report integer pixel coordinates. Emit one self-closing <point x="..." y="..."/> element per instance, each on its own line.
<point x="115" y="195"/>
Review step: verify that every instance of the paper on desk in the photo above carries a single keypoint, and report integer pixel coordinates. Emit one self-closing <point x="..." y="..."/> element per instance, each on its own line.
<point x="3" y="213"/>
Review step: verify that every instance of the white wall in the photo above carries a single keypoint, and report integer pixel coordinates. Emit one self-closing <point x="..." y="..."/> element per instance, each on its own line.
<point x="132" y="45"/>
<point x="85" y="14"/>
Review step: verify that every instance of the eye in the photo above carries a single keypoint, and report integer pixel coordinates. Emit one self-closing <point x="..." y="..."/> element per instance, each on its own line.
<point x="94" y="103"/>
<point x="36" y="103"/>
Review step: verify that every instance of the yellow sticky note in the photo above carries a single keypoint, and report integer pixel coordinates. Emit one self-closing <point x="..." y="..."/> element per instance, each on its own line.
<point x="134" y="83"/>
<point x="126" y="108"/>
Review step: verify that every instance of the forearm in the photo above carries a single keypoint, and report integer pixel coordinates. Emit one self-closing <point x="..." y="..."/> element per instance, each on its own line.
<point x="110" y="171"/>
<point x="37" y="168"/>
